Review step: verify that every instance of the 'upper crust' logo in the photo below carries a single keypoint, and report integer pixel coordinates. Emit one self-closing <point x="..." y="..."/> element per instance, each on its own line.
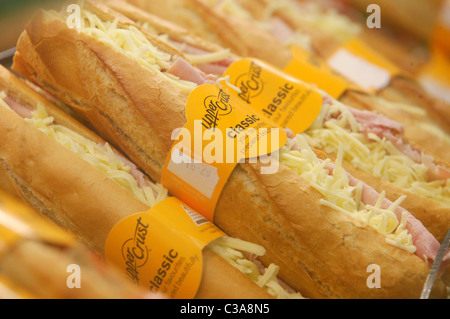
<point x="216" y="106"/>
<point x="250" y="84"/>
<point x="135" y="251"/>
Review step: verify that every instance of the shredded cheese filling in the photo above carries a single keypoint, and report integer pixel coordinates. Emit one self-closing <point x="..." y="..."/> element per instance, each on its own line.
<point x="330" y="21"/>
<point x="99" y="156"/>
<point x="130" y="41"/>
<point x="373" y="154"/>
<point x="209" y="57"/>
<point x="103" y="158"/>
<point x="231" y="7"/>
<point x="340" y="196"/>
<point x="231" y="250"/>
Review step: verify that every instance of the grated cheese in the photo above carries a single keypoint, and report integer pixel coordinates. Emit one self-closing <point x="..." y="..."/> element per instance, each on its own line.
<point x="231" y="7"/>
<point x="99" y="156"/>
<point x="209" y="57"/>
<point x="330" y="21"/>
<point x="131" y="42"/>
<point x="104" y="158"/>
<point x="231" y="250"/>
<point x="340" y="196"/>
<point x="373" y="154"/>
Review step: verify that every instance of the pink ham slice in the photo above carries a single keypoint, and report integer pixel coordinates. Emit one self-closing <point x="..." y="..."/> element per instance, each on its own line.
<point x="140" y="178"/>
<point x="213" y="68"/>
<point x="281" y="30"/>
<point x="371" y="121"/>
<point x="185" y="71"/>
<point x="426" y="244"/>
<point x="20" y="109"/>
<point x="383" y="127"/>
<point x="217" y="68"/>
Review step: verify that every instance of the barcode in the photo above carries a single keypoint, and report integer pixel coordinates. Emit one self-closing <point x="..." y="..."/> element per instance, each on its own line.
<point x="196" y="218"/>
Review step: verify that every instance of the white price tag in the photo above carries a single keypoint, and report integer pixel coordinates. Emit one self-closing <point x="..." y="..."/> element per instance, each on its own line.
<point x="201" y="176"/>
<point x="367" y="75"/>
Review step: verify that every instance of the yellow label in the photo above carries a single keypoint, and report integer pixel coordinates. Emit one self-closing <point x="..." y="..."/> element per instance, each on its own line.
<point x="283" y="99"/>
<point x="221" y="131"/>
<point x="363" y="66"/>
<point x="18" y="222"/>
<point x="435" y="75"/>
<point x="314" y="70"/>
<point x="441" y="35"/>
<point x="161" y="250"/>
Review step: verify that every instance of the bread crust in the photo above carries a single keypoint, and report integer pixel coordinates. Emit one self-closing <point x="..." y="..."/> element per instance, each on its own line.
<point x="401" y="89"/>
<point x="248" y="207"/>
<point x="407" y="89"/>
<point x="434" y="215"/>
<point x="174" y="31"/>
<point x="225" y="30"/>
<point x="71" y="192"/>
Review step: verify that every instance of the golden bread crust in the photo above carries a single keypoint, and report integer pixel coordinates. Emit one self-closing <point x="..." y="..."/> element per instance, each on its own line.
<point x="138" y="110"/>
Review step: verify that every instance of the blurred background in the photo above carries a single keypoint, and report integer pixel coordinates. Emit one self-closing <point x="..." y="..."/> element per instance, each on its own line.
<point x="411" y="32"/>
<point x="14" y="14"/>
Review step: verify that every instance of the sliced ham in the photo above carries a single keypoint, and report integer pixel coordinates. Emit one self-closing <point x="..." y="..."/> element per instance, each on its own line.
<point x="281" y="30"/>
<point x="218" y="68"/>
<point x="185" y="71"/>
<point x="371" y="121"/>
<point x="20" y="109"/>
<point x="384" y="127"/>
<point x="262" y="271"/>
<point x="426" y="244"/>
<point x="140" y="178"/>
<point x="213" y="68"/>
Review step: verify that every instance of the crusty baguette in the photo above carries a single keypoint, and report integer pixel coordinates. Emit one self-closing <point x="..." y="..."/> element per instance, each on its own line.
<point x="79" y="197"/>
<point x="188" y="13"/>
<point x="434" y="215"/>
<point x="417" y="125"/>
<point x="325" y="43"/>
<point x="408" y="91"/>
<point x="162" y="26"/>
<point x="229" y="31"/>
<point x="147" y="108"/>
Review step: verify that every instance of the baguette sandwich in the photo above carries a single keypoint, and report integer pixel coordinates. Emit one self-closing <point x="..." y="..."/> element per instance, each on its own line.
<point x="320" y="241"/>
<point x="377" y="153"/>
<point x="425" y="181"/>
<point x="401" y="47"/>
<point x="229" y="24"/>
<point x="329" y="36"/>
<point x="84" y="185"/>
